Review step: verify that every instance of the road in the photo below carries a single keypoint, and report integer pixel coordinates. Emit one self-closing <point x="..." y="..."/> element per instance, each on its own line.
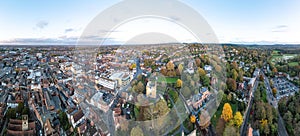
<point x="281" y="127"/>
<point x="110" y="116"/>
<point x="247" y="113"/>
<point x="273" y="101"/>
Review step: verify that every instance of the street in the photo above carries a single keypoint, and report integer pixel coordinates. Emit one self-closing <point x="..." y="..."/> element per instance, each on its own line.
<point x="247" y="113"/>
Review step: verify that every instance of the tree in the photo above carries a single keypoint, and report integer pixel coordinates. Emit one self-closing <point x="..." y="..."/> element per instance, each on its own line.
<point x="240" y="76"/>
<point x="25" y="111"/>
<point x="136" y="131"/>
<point x="218" y="68"/>
<point x="234" y="65"/>
<point x="193" y="118"/>
<point x="186" y="92"/>
<point x="260" y="110"/>
<point x="227" y="112"/>
<point x="163" y="71"/>
<point x="198" y="62"/>
<point x="20" y="107"/>
<point x="261" y="77"/>
<point x="230" y="131"/>
<point x="205" y="81"/>
<point x="234" y="74"/>
<point x="178" y="83"/>
<point x="11" y="113"/>
<point x="274" y="70"/>
<point x="170" y="66"/>
<point x="161" y="107"/>
<point x="231" y="84"/>
<point x="132" y="66"/>
<point x="201" y="72"/>
<point x="238" y="119"/>
<point x="63" y="119"/>
<point x="140" y="87"/>
<point x="274" y="91"/>
<point x="180" y="68"/>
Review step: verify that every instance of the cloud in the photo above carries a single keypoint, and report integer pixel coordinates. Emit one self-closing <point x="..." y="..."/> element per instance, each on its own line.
<point x="62" y="40"/>
<point x="42" y="24"/>
<point x="69" y="30"/>
<point x="280" y="28"/>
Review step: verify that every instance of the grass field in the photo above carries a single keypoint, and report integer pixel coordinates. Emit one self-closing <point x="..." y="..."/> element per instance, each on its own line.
<point x="277" y="56"/>
<point x="167" y="79"/>
<point x="275" y="52"/>
<point x="293" y="64"/>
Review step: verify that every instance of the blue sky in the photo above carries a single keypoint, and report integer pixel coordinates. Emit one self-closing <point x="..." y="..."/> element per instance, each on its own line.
<point x="233" y="21"/>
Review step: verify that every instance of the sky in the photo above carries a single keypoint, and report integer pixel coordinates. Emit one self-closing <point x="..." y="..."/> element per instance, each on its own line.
<point x="233" y="21"/>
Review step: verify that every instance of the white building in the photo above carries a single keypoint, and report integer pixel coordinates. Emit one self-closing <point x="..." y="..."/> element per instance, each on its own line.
<point x="122" y="78"/>
<point x="107" y="83"/>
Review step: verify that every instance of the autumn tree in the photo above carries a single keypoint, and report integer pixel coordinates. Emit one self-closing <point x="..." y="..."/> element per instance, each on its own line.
<point x="261" y="77"/>
<point x="163" y="71"/>
<point x="136" y="131"/>
<point x="201" y="72"/>
<point x="140" y="87"/>
<point x="180" y="68"/>
<point x="170" y="66"/>
<point x="240" y="76"/>
<point x="178" y="83"/>
<point x="132" y="66"/>
<point x="231" y="84"/>
<point x="170" y="69"/>
<point x="274" y="70"/>
<point x="274" y="91"/>
<point x="198" y="62"/>
<point x="218" y="68"/>
<point x="193" y="118"/>
<point x="227" y="112"/>
<point x="234" y="65"/>
<point x="238" y="119"/>
<point x="234" y="74"/>
<point x="161" y="107"/>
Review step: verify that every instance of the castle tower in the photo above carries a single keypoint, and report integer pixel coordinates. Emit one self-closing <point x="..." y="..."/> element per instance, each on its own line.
<point x="24" y="122"/>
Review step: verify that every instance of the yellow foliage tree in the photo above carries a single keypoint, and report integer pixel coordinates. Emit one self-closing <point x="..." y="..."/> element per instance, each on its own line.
<point x="178" y="83"/>
<point x="227" y="112"/>
<point x="274" y="90"/>
<point x="193" y="118"/>
<point x="201" y="72"/>
<point x="264" y="122"/>
<point x="132" y="66"/>
<point x="180" y="68"/>
<point x="238" y="119"/>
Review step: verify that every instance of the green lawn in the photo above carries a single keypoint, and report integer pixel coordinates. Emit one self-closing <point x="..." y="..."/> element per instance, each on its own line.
<point x="293" y="64"/>
<point x="167" y="79"/>
<point x="275" y="52"/>
<point x="277" y="56"/>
